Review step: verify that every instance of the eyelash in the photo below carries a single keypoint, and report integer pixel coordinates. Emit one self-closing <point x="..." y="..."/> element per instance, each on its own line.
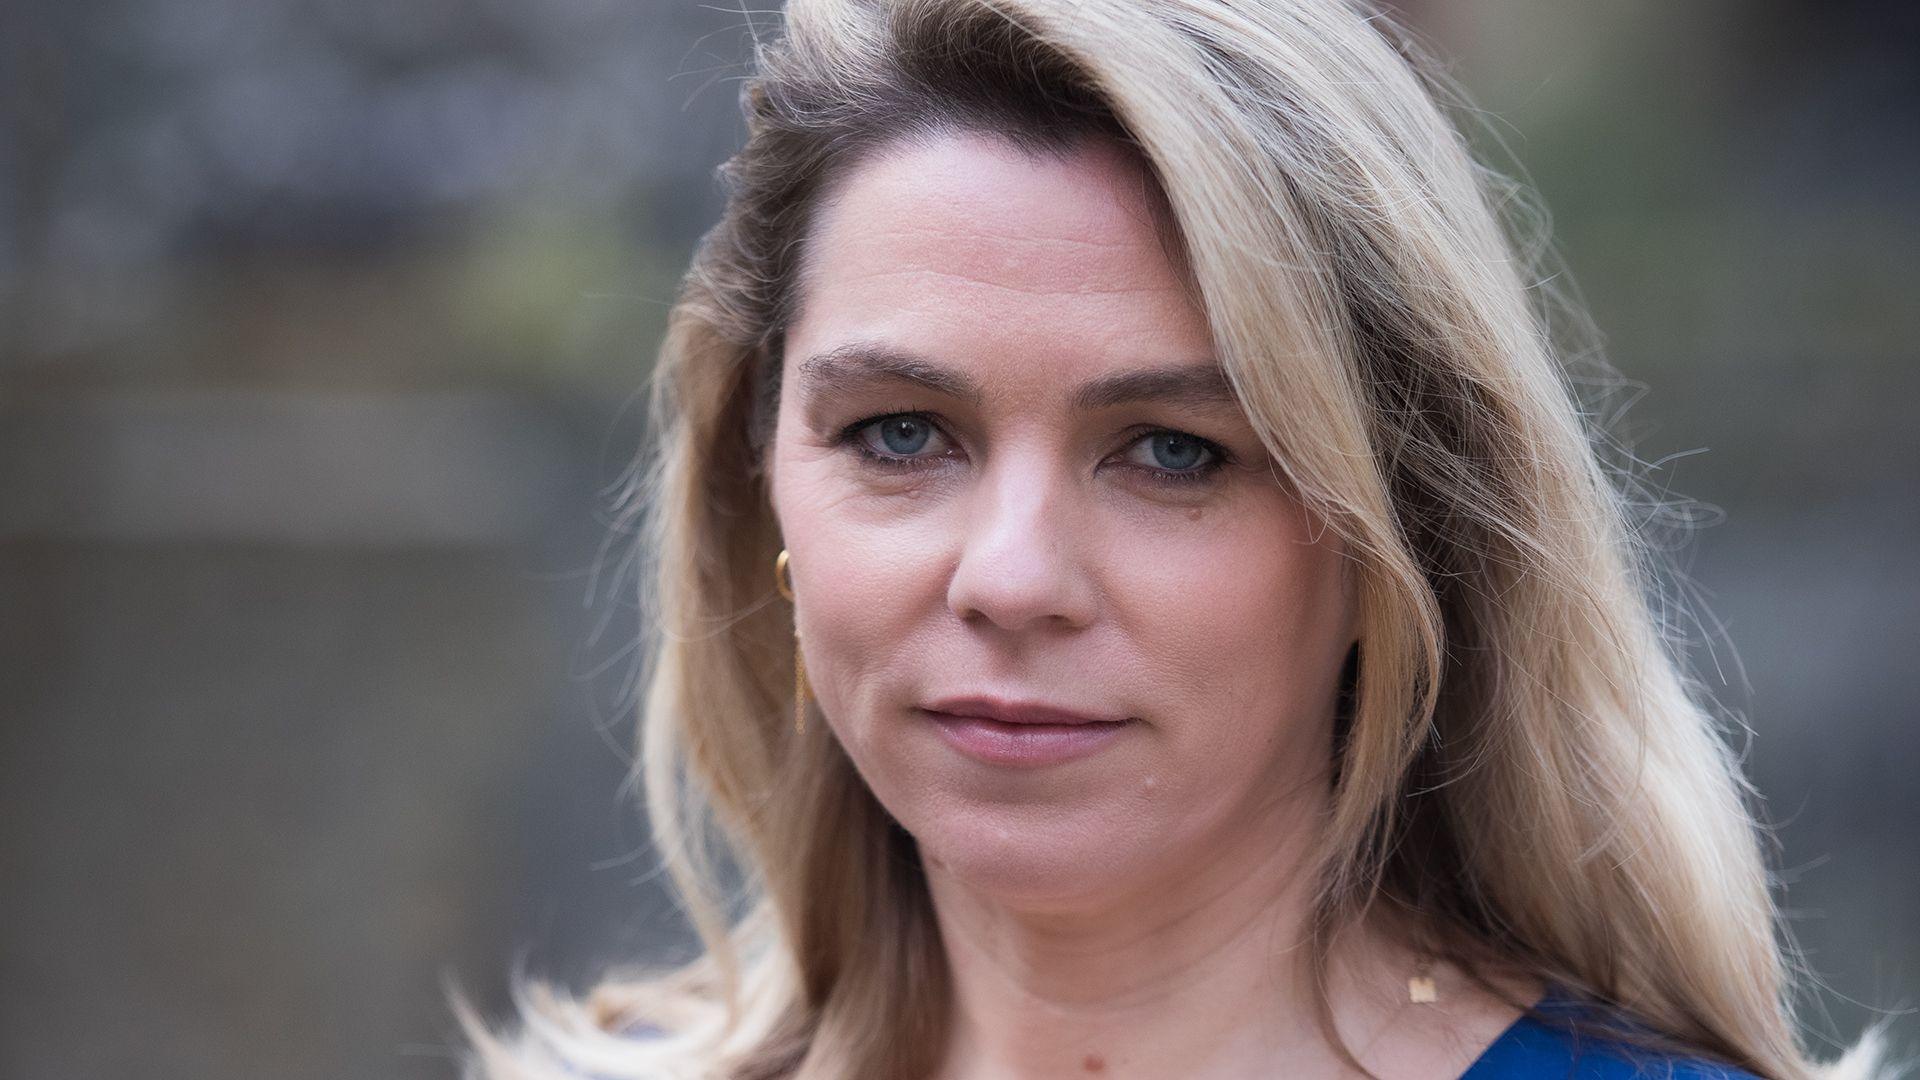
<point x="850" y="435"/>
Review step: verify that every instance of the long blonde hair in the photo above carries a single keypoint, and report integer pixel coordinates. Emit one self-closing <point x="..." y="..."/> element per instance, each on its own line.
<point x="1523" y="769"/>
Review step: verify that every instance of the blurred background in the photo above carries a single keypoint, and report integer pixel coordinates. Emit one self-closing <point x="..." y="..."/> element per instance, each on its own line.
<point x="321" y="328"/>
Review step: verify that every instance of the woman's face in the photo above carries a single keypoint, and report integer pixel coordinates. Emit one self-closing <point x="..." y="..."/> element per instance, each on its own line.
<point x="1007" y="468"/>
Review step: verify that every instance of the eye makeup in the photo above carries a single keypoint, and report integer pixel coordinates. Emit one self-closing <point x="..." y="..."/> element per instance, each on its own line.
<point x="853" y="437"/>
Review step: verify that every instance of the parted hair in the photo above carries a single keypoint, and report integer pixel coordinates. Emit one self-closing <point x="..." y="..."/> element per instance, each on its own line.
<point x="1525" y="773"/>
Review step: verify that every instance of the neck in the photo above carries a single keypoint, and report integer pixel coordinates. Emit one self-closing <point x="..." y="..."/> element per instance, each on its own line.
<point x="1201" y="972"/>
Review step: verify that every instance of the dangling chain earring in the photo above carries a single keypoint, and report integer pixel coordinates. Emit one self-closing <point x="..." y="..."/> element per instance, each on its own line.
<point x="801" y="691"/>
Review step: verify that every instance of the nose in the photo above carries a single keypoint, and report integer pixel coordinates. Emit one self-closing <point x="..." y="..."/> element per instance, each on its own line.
<point x="1024" y="553"/>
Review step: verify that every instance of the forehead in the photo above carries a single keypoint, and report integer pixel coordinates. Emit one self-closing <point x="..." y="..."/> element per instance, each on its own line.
<point x="965" y="248"/>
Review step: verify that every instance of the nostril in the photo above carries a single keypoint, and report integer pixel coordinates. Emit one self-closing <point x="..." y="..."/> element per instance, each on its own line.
<point x="1015" y="600"/>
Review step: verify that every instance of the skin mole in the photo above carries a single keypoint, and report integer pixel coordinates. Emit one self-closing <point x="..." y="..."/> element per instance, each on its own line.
<point x="1094" y="1063"/>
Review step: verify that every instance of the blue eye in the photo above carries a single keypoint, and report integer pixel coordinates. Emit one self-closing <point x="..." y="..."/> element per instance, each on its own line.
<point x="901" y="437"/>
<point x="904" y="428"/>
<point x="1182" y="451"/>
<point x="1179" y="458"/>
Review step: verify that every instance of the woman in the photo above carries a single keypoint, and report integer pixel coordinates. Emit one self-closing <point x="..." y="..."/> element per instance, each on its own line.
<point x="1138" y="597"/>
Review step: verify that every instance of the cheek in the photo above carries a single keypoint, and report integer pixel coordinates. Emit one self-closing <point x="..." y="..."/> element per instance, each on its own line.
<point x="1248" y="630"/>
<point x="866" y="588"/>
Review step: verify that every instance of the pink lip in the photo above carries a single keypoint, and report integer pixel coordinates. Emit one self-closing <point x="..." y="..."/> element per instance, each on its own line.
<point x="1021" y="733"/>
<point x="1015" y="712"/>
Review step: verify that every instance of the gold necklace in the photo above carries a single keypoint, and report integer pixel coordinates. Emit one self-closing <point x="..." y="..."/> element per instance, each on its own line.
<point x="1420" y="988"/>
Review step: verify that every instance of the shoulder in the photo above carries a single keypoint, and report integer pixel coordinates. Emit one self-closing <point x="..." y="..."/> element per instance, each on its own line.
<point x="1533" y="1048"/>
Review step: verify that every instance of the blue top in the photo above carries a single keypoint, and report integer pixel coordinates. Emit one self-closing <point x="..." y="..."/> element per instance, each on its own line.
<point x="1531" y="1049"/>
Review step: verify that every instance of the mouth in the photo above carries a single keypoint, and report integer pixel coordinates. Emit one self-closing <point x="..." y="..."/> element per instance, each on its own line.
<point x="1021" y="713"/>
<point x="1027" y="737"/>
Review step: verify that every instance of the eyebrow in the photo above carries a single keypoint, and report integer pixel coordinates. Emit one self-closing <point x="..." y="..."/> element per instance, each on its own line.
<point x="851" y="366"/>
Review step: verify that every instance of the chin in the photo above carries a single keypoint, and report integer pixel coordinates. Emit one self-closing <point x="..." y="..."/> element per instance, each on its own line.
<point x="1040" y="838"/>
<point x="1032" y="857"/>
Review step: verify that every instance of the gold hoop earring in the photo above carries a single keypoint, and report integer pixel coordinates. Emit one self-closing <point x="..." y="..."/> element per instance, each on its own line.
<point x="801" y="691"/>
